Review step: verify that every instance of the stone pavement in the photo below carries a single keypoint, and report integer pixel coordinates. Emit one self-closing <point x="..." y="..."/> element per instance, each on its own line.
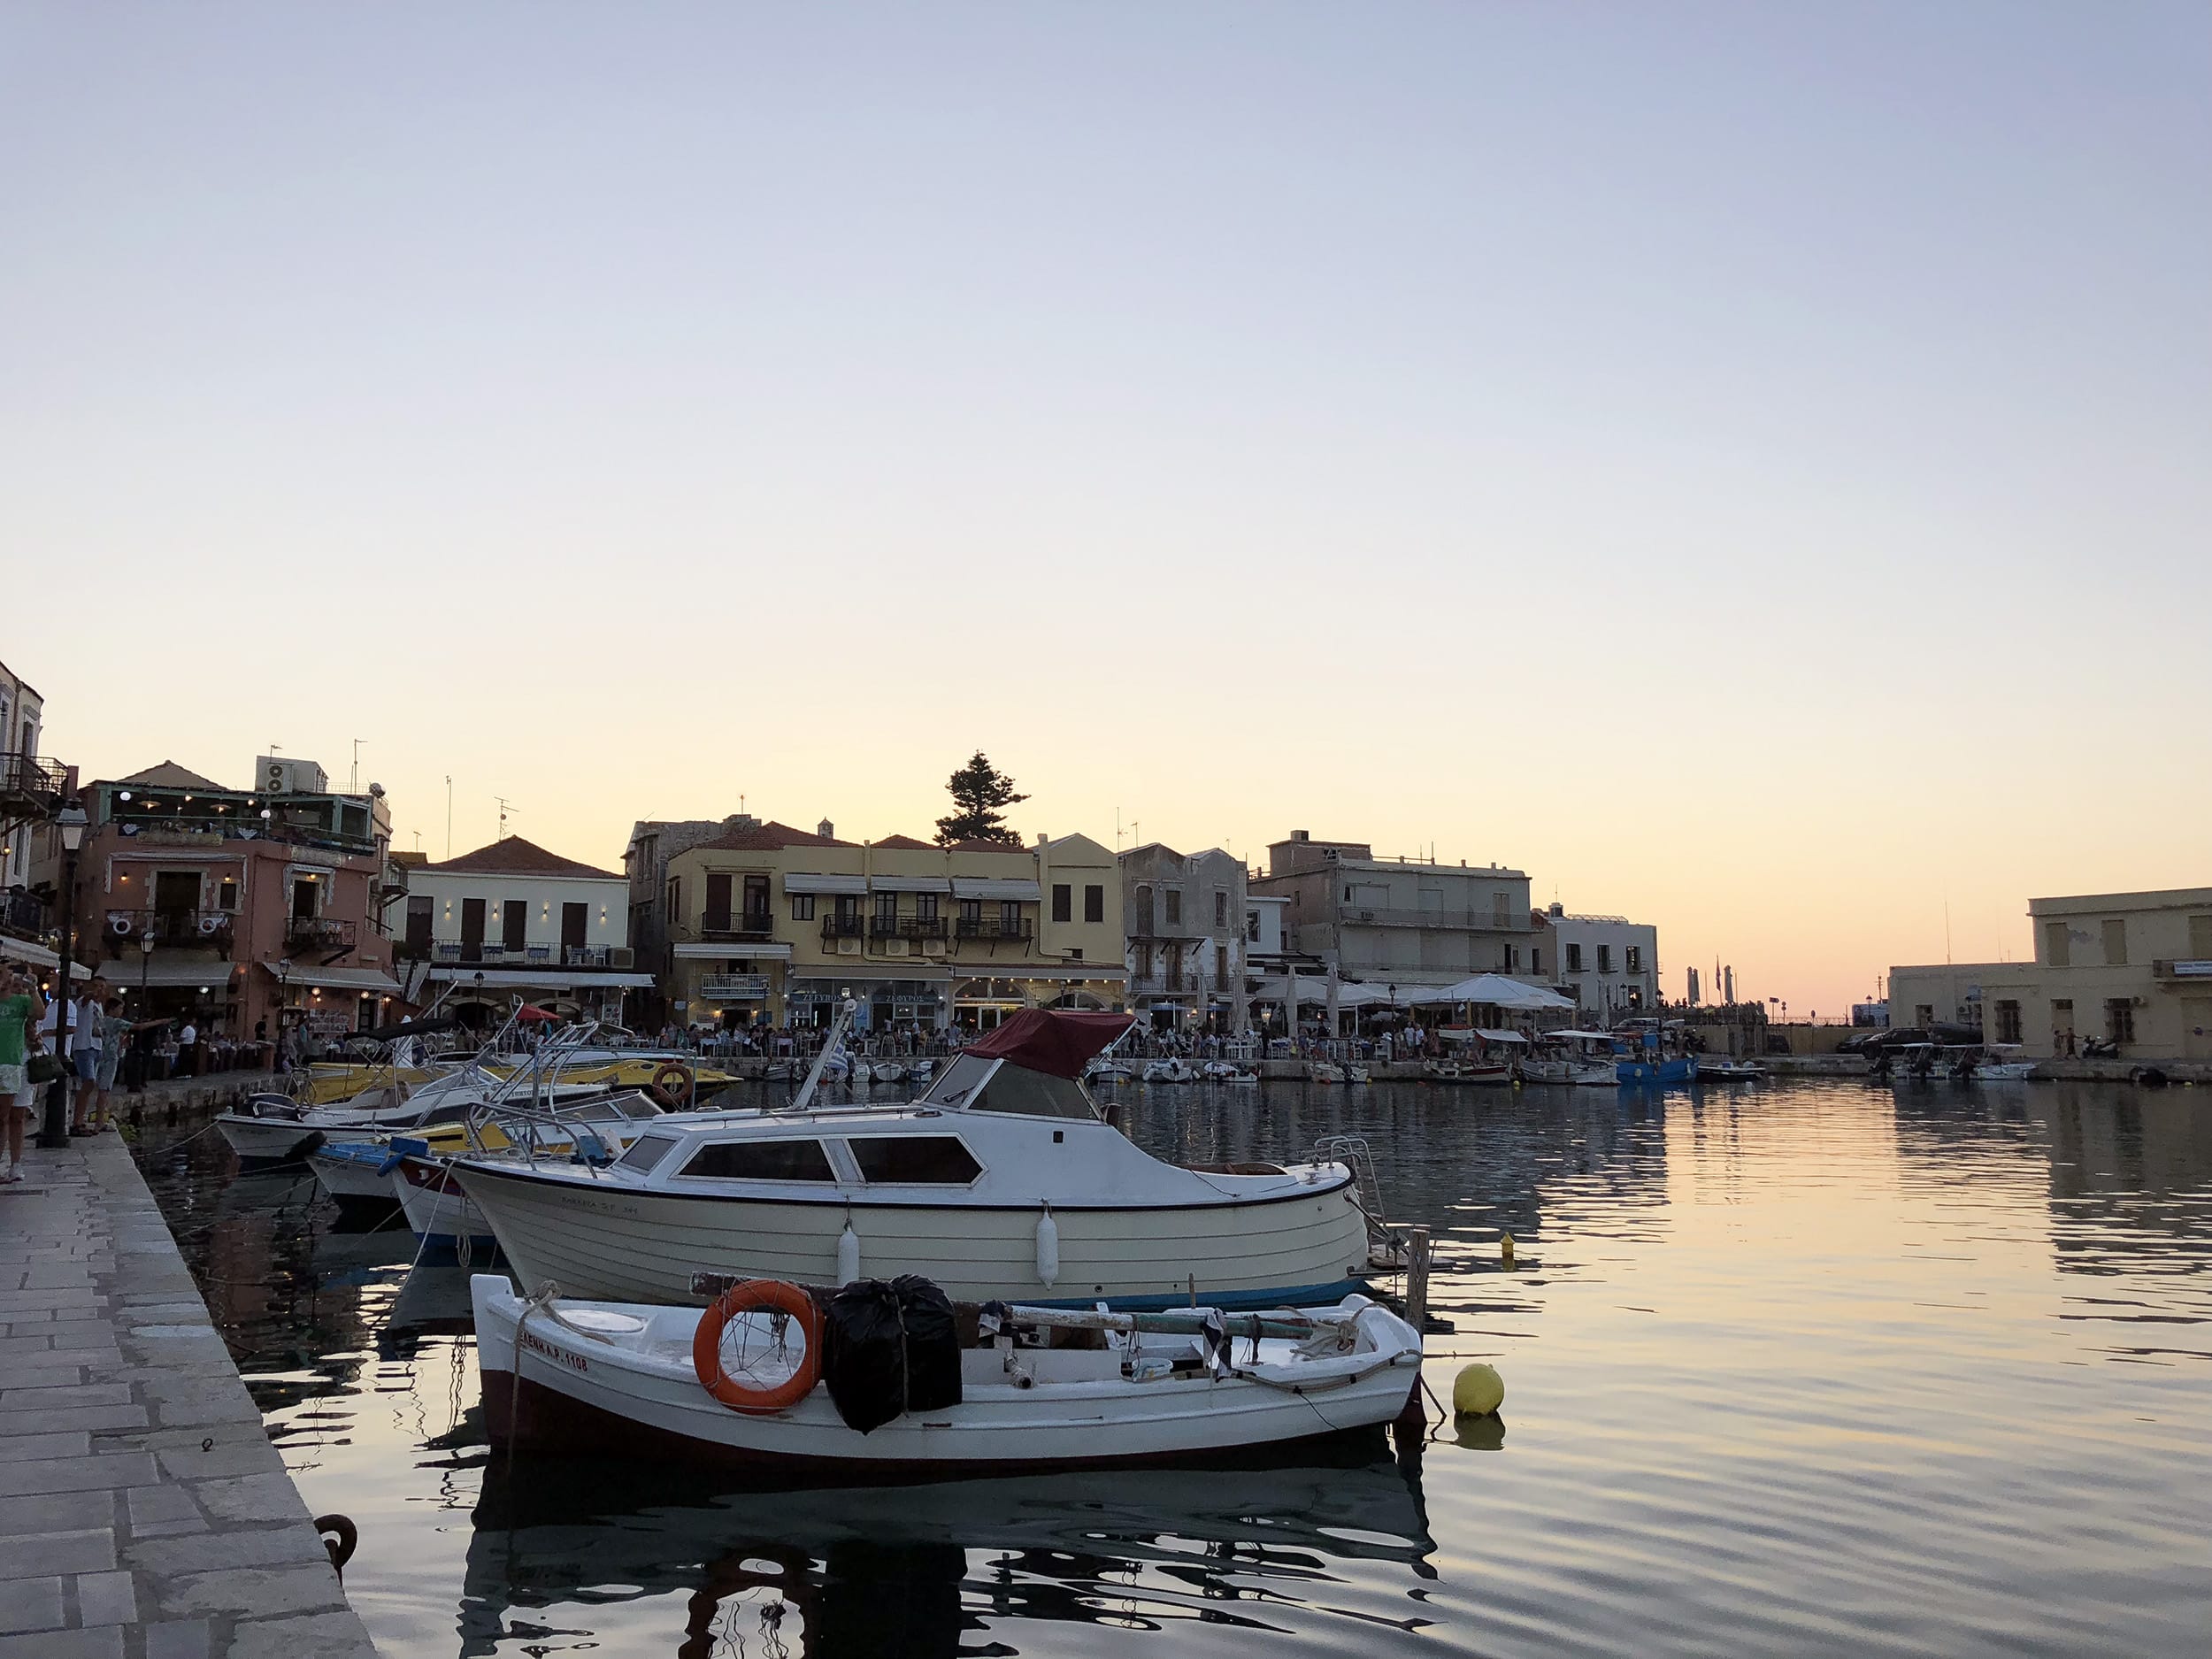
<point x="144" y="1513"/>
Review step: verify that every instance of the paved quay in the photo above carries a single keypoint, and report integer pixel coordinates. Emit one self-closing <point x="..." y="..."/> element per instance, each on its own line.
<point x="146" y="1515"/>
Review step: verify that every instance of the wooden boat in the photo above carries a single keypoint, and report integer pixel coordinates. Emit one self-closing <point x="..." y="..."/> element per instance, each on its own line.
<point x="1161" y="1388"/>
<point x="1002" y="1180"/>
<point x="1493" y="1073"/>
<point x="1667" y="1073"/>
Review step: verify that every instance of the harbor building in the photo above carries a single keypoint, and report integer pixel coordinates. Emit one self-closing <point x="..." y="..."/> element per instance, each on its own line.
<point x="2130" y="968"/>
<point x="1607" y="963"/>
<point x="241" y="907"/>
<point x="1940" y="994"/>
<point x="766" y="924"/>
<point x="1404" y="922"/>
<point x="24" y="787"/>
<point x="1186" y="915"/>
<point x="511" y="919"/>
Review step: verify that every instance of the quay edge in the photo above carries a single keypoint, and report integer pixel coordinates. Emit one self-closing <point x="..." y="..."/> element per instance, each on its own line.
<point x="146" y="1511"/>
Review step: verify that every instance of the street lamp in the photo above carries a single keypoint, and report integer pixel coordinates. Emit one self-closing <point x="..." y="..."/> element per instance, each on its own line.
<point x="71" y="822"/>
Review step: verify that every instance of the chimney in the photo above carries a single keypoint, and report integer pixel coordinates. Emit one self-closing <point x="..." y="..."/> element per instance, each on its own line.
<point x="1043" y="840"/>
<point x="826" y="830"/>
<point x="1302" y="835"/>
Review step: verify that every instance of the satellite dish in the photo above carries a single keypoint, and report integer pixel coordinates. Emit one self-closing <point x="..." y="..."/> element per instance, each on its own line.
<point x="377" y="790"/>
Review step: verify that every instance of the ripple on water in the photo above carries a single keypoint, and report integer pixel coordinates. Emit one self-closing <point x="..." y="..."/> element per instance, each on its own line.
<point x="1815" y="1368"/>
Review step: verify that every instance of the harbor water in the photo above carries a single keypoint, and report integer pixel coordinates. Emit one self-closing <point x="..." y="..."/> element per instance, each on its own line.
<point x="1811" y="1367"/>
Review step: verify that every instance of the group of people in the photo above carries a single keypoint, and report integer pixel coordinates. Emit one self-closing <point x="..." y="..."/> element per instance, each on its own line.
<point x="88" y="1036"/>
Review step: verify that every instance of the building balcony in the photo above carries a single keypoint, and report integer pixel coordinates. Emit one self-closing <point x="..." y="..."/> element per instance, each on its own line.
<point x="924" y="927"/>
<point x="844" y="926"/>
<point x="1163" y="983"/>
<point x="995" y="929"/>
<point x="752" y="925"/>
<point x="212" y="928"/>
<point x="734" y="987"/>
<point x="1455" y="921"/>
<point x="317" y="932"/>
<point x="31" y="787"/>
<point x="22" y="916"/>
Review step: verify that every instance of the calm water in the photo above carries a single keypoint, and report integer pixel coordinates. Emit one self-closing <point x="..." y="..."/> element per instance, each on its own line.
<point x="1814" y="1367"/>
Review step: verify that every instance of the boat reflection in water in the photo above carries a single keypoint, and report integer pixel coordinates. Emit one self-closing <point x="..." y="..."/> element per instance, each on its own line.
<point x="840" y="1572"/>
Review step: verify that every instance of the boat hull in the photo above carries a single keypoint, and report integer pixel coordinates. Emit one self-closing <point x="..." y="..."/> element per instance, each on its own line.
<point x="621" y="1244"/>
<point x="1658" y="1073"/>
<point x="353" y="1173"/>
<point x="1569" y="1073"/>
<point x="546" y="1387"/>
<point x="438" y="1211"/>
<point x="267" y="1140"/>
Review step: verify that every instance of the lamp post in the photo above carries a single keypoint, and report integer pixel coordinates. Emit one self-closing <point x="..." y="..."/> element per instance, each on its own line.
<point x="71" y="822"/>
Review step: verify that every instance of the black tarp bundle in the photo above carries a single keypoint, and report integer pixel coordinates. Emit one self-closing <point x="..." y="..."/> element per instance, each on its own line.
<point x="889" y="1348"/>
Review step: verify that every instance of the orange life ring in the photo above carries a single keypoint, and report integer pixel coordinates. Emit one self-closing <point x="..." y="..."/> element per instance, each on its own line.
<point x="674" y="1083"/>
<point x="752" y="1295"/>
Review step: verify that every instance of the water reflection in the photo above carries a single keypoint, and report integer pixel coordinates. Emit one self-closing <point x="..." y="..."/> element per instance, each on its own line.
<point x="1814" y="1367"/>
<point x="912" y="1571"/>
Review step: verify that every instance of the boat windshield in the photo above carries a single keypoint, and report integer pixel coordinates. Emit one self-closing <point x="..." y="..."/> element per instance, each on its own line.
<point x="978" y="1083"/>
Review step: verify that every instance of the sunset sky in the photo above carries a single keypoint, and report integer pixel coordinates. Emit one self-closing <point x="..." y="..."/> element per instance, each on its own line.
<point x="1745" y="465"/>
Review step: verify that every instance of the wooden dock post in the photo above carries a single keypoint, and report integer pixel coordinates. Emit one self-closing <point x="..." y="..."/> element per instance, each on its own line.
<point x="1418" y="1277"/>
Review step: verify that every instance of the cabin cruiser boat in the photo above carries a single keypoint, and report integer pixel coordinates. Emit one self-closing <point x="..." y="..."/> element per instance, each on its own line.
<point x="1189" y="1384"/>
<point x="1580" y="1059"/>
<point x="1002" y="1180"/>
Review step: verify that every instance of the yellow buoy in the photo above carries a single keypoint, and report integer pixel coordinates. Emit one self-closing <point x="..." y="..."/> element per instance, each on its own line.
<point x="1505" y="1248"/>
<point x="1477" y="1391"/>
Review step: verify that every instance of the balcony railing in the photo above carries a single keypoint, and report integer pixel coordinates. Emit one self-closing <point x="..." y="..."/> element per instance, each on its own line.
<point x="22" y="916"/>
<point x="843" y="926"/>
<point x="172" y="927"/>
<point x="734" y="987"/>
<point x="750" y="925"/>
<point x="1161" y="982"/>
<point x="317" y="932"/>
<point x="29" y="780"/>
<point x="1461" y="921"/>
<point x="922" y="927"/>
<point x="994" y="928"/>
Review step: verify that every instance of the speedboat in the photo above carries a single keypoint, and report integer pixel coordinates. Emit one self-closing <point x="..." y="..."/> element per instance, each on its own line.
<point x="1106" y="1068"/>
<point x="741" y="1383"/>
<point x="1324" y="1071"/>
<point x="1579" y="1059"/>
<point x="1716" y="1071"/>
<point x="1229" y="1074"/>
<point x="1002" y="1180"/>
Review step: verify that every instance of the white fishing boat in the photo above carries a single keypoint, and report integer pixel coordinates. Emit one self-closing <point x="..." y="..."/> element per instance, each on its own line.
<point x="560" y="1373"/>
<point x="1169" y="1068"/>
<point x="1577" y="1059"/>
<point x="1002" y="1181"/>
<point x="1228" y="1074"/>
<point x="1713" y="1070"/>
<point x="1462" y="1071"/>
<point x="886" y="1072"/>
<point x="1108" y="1069"/>
<point x="1324" y="1071"/>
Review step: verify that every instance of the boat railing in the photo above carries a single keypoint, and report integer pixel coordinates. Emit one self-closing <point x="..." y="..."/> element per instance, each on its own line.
<point x="1352" y="1152"/>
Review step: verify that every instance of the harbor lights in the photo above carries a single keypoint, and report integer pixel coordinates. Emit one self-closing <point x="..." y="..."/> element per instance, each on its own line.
<point x="69" y="823"/>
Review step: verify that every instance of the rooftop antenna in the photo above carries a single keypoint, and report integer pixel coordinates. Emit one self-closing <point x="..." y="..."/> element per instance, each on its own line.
<point x="1947" y="929"/>
<point x="353" y="784"/>
<point x="504" y="809"/>
<point x="417" y="841"/>
<point x="448" y="815"/>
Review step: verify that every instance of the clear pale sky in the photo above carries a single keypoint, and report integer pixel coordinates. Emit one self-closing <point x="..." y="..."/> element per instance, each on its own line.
<point x="1745" y="465"/>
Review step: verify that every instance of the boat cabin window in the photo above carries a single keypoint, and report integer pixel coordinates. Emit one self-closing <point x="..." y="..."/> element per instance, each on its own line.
<point x="970" y="1083"/>
<point x="645" y="1152"/>
<point x="915" y="1160"/>
<point x="760" y="1161"/>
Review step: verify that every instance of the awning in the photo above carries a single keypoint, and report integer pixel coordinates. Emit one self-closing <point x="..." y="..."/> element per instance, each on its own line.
<point x="39" y="956"/>
<point x="736" y="948"/>
<point x="824" y="884"/>
<point x="552" y="977"/>
<point x="907" y="884"/>
<point x="1055" y="1044"/>
<point x="335" y="979"/>
<point x="996" y="887"/>
<point x="168" y="970"/>
<point x="1500" y="1036"/>
<point x="1491" y="989"/>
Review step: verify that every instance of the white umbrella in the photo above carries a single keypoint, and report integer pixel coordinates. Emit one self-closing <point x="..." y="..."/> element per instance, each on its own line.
<point x="1495" y="990"/>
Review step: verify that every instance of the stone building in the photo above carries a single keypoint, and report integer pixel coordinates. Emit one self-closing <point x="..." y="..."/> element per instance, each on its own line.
<point x="1186" y="916"/>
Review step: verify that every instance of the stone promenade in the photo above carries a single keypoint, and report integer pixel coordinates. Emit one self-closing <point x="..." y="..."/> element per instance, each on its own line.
<point x="143" y="1514"/>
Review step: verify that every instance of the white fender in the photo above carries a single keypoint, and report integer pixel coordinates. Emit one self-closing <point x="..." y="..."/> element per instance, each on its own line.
<point x="1047" y="1248"/>
<point x="848" y="1256"/>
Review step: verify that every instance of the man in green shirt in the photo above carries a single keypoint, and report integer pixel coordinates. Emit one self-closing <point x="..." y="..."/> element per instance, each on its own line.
<point x="21" y="1008"/>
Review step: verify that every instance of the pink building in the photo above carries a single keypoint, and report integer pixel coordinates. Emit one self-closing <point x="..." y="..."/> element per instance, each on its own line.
<point x="244" y="908"/>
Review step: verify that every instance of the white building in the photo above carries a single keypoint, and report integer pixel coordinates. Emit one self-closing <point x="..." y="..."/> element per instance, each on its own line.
<point x="1607" y="963"/>
<point x="511" y="919"/>
<point x="21" y="709"/>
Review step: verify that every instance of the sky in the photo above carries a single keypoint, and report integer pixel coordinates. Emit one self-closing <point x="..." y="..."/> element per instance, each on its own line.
<point x="1744" y="465"/>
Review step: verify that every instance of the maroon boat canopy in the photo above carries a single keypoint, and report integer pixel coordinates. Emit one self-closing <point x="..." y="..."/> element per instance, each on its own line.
<point x="1055" y="1044"/>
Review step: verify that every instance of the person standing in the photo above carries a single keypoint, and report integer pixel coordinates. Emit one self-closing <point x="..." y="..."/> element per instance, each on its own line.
<point x="21" y="1008"/>
<point x="188" y="1049"/>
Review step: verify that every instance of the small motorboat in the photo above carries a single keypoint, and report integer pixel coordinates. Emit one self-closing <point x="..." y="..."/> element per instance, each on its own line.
<point x="1171" y="1069"/>
<point x="1355" y="1074"/>
<point x="1493" y="1073"/>
<point x="594" y="1132"/>
<point x="1660" y="1073"/>
<point x="1229" y="1074"/>
<point x="1107" y="1070"/>
<point x="1576" y="1059"/>
<point x="742" y="1382"/>
<point x="1324" y="1071"/>
<point x="1717" y="1071"/>
<point x="885" y="1071"/>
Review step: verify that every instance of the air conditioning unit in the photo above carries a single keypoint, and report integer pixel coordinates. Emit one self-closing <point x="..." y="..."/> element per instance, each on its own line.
<point x="622" y="956"/>
<point x="894" y="947"/>
<point x="275" y="775"/>
<point x="849" y="947"/>
<point x="932" y="947"/>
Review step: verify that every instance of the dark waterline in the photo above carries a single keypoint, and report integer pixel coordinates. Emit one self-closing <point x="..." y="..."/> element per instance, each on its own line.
<point x="1814" y="1367"/>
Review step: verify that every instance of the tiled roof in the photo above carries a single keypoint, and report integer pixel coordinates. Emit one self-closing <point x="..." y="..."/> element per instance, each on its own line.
<point x="514" y="856"/>
<point x="767" y="838"/>
<point x="169" y="775"/>
<point x="978" y="844"/>
<point x="905" y="844"/>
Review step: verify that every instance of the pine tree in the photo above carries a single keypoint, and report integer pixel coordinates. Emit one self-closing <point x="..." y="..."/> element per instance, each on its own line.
<point x="979" y="789"/>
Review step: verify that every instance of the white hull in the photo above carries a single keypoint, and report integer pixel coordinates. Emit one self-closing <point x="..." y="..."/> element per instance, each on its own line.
<point x="1572" y="1073"/>
<point x="437" y="1209"/>
<point x="353" y="1180"/>
<point x="623" y="1244"/>
<point x="266" y="1140"/>
<point x="1079" y="1409"/>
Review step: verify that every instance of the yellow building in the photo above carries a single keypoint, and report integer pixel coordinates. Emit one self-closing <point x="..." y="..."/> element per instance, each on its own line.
<point x="2131" y="967"/>
<point x="768" y="923"/>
